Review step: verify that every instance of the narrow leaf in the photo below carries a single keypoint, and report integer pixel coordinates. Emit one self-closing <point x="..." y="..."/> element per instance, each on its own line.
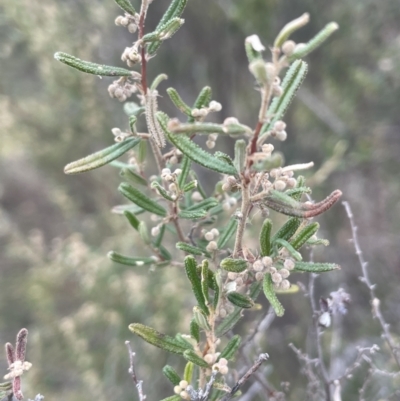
<point x="185" y="167"/>
<point x="92" y="68"/>
<point x="160" y="236"/>
<point x="240" y="155"/>
<point x="291" y="27"/>
<point x="191" y="356"/>
<point x="291" y="83"/>
<point x="162" y="191"/>
<point x="193" y="151"/>
<point x="194" y="250"/>
<point x="175" y="397"/>
<point x="241" y="300"/>
<point x="191" y="272"/>
<point x="195" y="330"/>
<point x="227" y="233"/>
<point x="296" y="255"/>
<point x="234" y="265"/>
<point x="304" y="235"/>
<point x="230" y="349"/>
<point x="101" y="158"/>
<point x="265" y="238"/>
<point x="202" y="100"/>
<point x="133" y="220"/>
<point x="178" y="102"/>
<point x="141" y="199"/>
<point x="157" y="339"/>
<point x="287" y="230"/>
<point x="171" y="374"/>
<point x="126" y="6"/>
<point x="315" y="267"/>
<point x="188" y="372"/>
<point x="204" y="281"/>
<point x="192" y="214"/>
<point x="130" y="175"/>
<point x="129" y="261"/>
<point x="205" y="204"/>
<point x="268" y="287"/>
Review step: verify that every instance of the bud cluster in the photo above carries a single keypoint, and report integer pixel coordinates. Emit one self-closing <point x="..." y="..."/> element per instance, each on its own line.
<point x="181" y="390"/>
<point x="221" y="366"/>
<point x="120" y="136"/>
<point x="211" y="236"/>
<point x="200" y="114"/>
<point x="128" y="21"/>
<point x="131" y="56"/>
<point x="121" y="89"/>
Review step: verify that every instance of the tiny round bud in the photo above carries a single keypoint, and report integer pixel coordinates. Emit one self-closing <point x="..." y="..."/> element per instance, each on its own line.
<point x="173" y="160"/>
<point x="212" y="246"/>
<point x="279" y="185"/>
<point x="258" y="266"/>
<point x="155" y="231"/>
<point x="209" y="358"/>
<point x="210" y="144"/>
<point x="288" y="47"/>
<point x="259" y="276"/>
<point x="232" y="276"/>
<point x="230" y="120"/>
<point x="177" y="389"/>
<point x="274" y="173"/>
<point x="124" y="21"/>
<point x="291" y="182"/>
<point x="285" y="285"/>
<point x="165" y="171"/>
<point x="267" y="261"/>
<point x="213" y="137"/>
<point x="223" y="362"/>
<point x="281" y="136"/>
<point x="223" y="370"/>
<point x="185" y="395"/>
<point x="172" y="187"/>
<point x="209" y="236"/>
<point x="196" y="196"/>
<point x="132" y="27"/>
<point x="279" y="125"/>
<point x="183" y="384"/>
<point x="239" y="282"/>
<point x="178" y="171"/>
<point x="226" y="206"/>
<point x="285" y="273"/>
<point x="215" y="232"/>
<point x="116" y="131"/>
<point x="215" y="106"/>
<point x="232" y="201"/>
<point x="288" y="264"/>
<point x="277" y="90"/>
<point x="226" y="187"/>
<point x="276" y="278"/>
<point x="267" y="148"/>
<point x="222" y="312"/>
<point x="118" y="20"/>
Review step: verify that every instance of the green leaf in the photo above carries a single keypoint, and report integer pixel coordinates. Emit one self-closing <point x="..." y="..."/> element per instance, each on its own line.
<point x="315" y="42"/>
<point x="164" y="253"/>
<point x="205" y="281"/>
<point x="194" y="250"/>
<point x="164" y="32"/>
<point x="193" y="151"/>
<point x="91" y="68"/>
<point x="171" y="374"/>
<point x="291" y="83"/>
<point x="195" y="330"/>
<point x="191" y="272"/>
<point x="126" y="6"/>
<point x="185" y="167"/>
<point x="162" y="191"/>
<point x="190" y="186"/>
<point x="304" y="235"/>
<point x="192" y="214"/>
<point x="227" y="233"/>
<point x="287" y="230"/>
<point x="191" y="356"/>
<point x="315" y="267"/>
<point x="252" y="54"/>
<point x="201" y="319"/>
<point x="240" y="300"/>
<point x="128" y="261"/>
<point x="120" y="209"/>
<point x="130" y="175"/>
<point x="295" y="255"/>
<point x="142" y="151"/>
<point x="234" y="265"/>
<point x="175" y="397"/>
<point x="157" y="339"/>
<point x="188" y="372"/>
<point x="268" y="287"/>
<point x="133" y="220"/>
<point x="297" y="192"/>
<point x="202" y="100"/>
<point x="265" y="238"/>
<point x="230" y="349"/>
<point x="160" y="236"/>
<point x="144" y="232"/>
<point x="178" y="102"/>
<point x="205" y="204"/>
<point x="240" y="155"/>
<point x="101" y="158"/>
<point x="140" y="199"/>
<point x="289" y="28"/>
<point x="157" y="80"/>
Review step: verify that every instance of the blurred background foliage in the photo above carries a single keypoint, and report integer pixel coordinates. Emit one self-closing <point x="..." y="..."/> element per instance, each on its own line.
<point x="55" y="230"/>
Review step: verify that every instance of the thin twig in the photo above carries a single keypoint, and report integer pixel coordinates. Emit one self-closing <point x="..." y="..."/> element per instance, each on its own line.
<point x="131" y="370"/>
<point x="375" y="302"/>
<point x="262" y="358"/>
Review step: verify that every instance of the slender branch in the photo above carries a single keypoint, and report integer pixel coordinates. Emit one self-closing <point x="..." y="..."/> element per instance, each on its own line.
<point x="143" y="12"/>
<point x="375" y="302"/>
<point x="243" y="219"/>
<point x="131" y="370"/>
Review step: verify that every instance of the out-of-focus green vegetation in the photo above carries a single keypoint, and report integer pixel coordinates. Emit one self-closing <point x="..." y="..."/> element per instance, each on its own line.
<point x="55" y="230"/>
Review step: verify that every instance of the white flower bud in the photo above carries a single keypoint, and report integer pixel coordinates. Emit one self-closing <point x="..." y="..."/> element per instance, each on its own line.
<point x="155" y="231"/>
<point x="276" y="278"/>
<point x="209" y="358"/>
<point x="285" y="273"/>
<point x="232" y="276"/>
<point x="232" y="201"/>
<point x="172" y="187"/>
<point x="223" y="362"/>
<point x="116" y="131"/>
<point x="173" y="160"/>
<point x="199" y="113"/>
<point x="213" y="137"/>
<point x="212" y="246"/>
<point x="165" y="171"/>
<point x="209" y="236"/>
<point x="285" y="285"/>
<point x="226" y="206"/>
<point x="215" y="232"/>
<point x="279" y="125"/>
<point x="258" y="266"/>
<point x="210" y="144"/>
<point x="118" y="20"/>
<point x="196" y="196"/>
<point x="215" y="106"/>
<point x="271" y="70"/>
<point x="177" y="389"/>
<point x="267" y="148"/>
<point x="255" y="43"/>
<point x="185" y="395"/>
<point x="288" y="47"/>
<point x="132" y="27"/>
<point x="223" y="370"/>
<point x="230" y="120"/>
<point x="288" y="264"/>
<point x="267" y="261"/>
<point x="279" y="185"/>
<point x="291" y="182"/>
<point x="124" y="21"/>
<point x="183" y="384"/>
<point x="281" y="136"/>
<point x="259" y="276"/>
<point x="178" y="171"/>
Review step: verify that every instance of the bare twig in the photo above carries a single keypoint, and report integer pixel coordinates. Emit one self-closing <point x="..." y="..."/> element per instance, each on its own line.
<point x="262" y="358"/>
<point x="375" y="302"/>
<point x="131" y="371"/>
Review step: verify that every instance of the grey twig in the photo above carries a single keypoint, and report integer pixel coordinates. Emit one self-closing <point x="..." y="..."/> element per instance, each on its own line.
<point x="131" y="371"/>
<point x="262" y="326"/>
<point x="375" y="302"/>
<point x="262" y="358"/>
